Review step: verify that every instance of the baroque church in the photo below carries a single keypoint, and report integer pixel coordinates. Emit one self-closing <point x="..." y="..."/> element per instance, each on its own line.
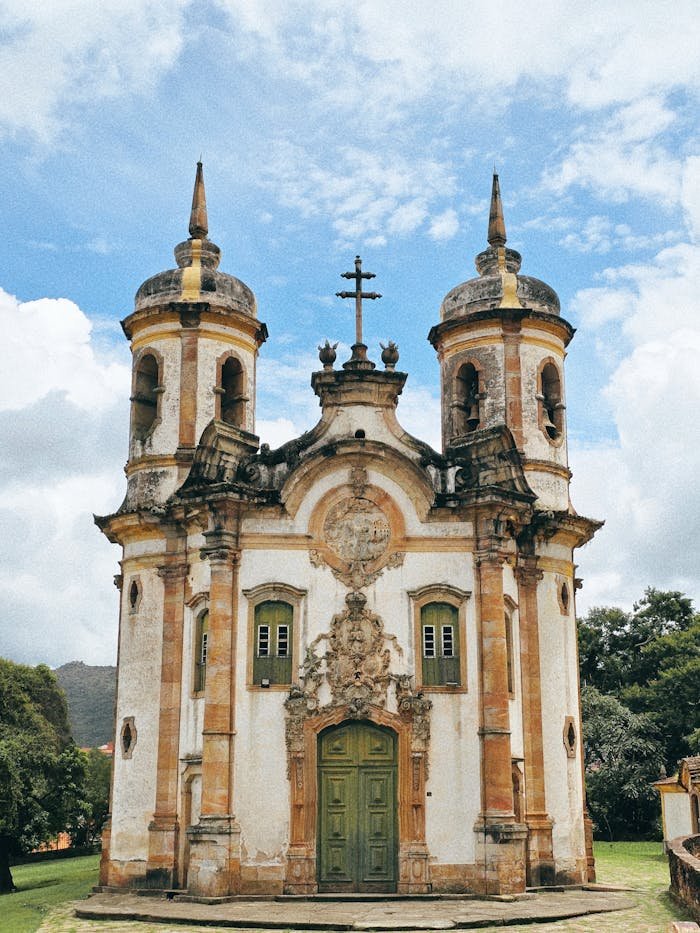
<point x="348" y="664"/>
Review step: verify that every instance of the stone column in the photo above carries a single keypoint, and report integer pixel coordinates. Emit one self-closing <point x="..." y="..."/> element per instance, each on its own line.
<point x="500" y="840"/>
<point x="164" y="829"/>
<point x="215" y="865"/>
<point x="540" y="858"/>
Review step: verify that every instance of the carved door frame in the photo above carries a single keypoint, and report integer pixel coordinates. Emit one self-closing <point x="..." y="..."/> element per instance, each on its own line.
<point x="413" y="867"/>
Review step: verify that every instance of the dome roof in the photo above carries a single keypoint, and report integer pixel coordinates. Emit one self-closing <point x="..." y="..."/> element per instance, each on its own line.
<point x="197" y="277"/>
<point x="499" y="284"/>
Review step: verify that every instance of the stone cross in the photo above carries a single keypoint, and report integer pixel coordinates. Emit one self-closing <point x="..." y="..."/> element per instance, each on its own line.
<point x="358" y="295"/>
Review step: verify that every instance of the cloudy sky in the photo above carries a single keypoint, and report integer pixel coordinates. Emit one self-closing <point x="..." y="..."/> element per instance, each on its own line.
<point x="326" y="129"/>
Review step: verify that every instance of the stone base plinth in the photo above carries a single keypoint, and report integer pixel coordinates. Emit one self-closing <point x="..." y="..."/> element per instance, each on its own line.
<point x="500" y="849"/>
<point x="540" y="870"/>
<point x="214" y="868"/>
<point x="414" y="870"/>
<point x="161" y="867"/>
<point x="300" y="877"/>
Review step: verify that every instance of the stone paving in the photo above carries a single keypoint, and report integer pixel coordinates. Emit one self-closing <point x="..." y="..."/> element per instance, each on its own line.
<point x="112" y="912"/>
<point x="647" y="908"/>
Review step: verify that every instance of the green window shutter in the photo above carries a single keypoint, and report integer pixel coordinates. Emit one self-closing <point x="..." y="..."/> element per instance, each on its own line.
<point x="272" y="648"/>
<point x="200" y="661"/>
<point x="440" y="645"/>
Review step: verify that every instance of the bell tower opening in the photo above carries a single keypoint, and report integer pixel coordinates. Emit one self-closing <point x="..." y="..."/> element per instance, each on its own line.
<point x="144" y="401"/>
<point x="550" y="400"/>
<point x="467" y="417"/>
<point x="232" y="392"/>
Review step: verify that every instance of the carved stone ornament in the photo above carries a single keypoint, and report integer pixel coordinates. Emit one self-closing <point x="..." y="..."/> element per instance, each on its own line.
<point x="356" y="665"/>
<point x="356" y="529"/>
<point x="356" y="535"/>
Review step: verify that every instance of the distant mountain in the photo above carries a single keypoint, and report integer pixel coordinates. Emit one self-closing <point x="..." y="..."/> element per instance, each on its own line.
<point x="90" y="691"/>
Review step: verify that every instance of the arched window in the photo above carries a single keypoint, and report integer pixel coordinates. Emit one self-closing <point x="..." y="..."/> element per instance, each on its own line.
<point x="232" y="393"/>
<point x="200" y="651"/>
<point x="440" y="645"/>
<point x="144" y="401"/>
<point x="272" y="651"/>
<point x="467" y="416"/>
<point x="551" y="413"/>
<point x="509" y="654"/>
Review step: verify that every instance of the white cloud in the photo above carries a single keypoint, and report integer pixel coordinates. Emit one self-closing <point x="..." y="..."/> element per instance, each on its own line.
<point x="623" y="156"/>
<point x="444" y="226"/>
<point x="47" y="348"/>
<point x="387" y="53"/>
<point x="64" y="423"/>
<point x="71" y="52"/>
<point x="647" y="485"/>
<point x="365" y="194"/>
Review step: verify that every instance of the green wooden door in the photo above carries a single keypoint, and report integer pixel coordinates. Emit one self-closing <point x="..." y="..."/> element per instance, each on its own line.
<point x="357" y="808"/>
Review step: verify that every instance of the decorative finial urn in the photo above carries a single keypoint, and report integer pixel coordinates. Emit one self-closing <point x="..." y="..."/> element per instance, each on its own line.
<point x="390" y="354"/>
<point x="327" y="354"/>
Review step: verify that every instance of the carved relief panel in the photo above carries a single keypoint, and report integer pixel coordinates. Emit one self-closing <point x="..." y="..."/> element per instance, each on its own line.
<point x="357" y="532"/>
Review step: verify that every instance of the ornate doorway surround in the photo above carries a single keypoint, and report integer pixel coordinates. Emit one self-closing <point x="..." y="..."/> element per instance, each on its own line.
<point x="354" y="673"/>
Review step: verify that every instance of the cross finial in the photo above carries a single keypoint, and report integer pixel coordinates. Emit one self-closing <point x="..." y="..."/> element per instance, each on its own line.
<point x="359" y="350"/>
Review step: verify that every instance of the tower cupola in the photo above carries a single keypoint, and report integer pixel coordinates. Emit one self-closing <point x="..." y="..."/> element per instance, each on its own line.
<point x="501" y="345"/>
<point x="499" y="284"/>
<point x="194" y="338"/>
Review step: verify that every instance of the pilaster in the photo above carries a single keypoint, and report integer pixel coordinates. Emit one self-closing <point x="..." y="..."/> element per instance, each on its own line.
<point x="215" y="859"/>
<point x="189" y="339"/>
<point x="500" y="840"/>
<point x="163" y="831"/>
<point x="540" y="857"/>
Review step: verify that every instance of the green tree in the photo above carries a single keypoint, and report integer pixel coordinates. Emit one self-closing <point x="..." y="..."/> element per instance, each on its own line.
<point x="41" y="770"/>
<point x="623" y="756"/>
<point x="619" y="649"/>
<point x="86" y="830"/>
<point x="650" y="660"/>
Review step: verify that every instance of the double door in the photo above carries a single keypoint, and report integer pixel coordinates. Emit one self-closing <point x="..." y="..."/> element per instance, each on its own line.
<point x="357" y="809"/>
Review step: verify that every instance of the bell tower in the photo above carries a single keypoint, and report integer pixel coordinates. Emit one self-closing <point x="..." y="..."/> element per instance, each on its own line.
<point x="501" y="345"/>
<point x="194" y="338"/>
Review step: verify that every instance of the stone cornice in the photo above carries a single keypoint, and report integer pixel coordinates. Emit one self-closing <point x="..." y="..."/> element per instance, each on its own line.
<point x="505" y="317"/>
<point x="358" y="387"/>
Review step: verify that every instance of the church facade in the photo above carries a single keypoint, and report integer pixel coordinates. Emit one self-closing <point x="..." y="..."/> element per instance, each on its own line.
<point x="348" y="664"/>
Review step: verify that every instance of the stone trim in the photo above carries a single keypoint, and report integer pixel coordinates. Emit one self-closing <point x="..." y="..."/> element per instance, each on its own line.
<point x="414" y="866"/>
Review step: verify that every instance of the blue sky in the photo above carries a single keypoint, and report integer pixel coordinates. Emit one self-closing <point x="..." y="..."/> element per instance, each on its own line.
<point x="328" y="129"/>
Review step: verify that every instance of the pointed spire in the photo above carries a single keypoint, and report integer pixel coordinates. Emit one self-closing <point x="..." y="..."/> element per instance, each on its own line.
<point x="497" y="227"/>
<point x="199" y="225"/>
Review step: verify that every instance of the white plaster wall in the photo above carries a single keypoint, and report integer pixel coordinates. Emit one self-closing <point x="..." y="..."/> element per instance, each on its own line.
<point x="559" y="682"/>
<point x="455" y="778"/>
<point x="677" y="815"/>
<point x="262" y="788"/>
<point x="138" y="696"/>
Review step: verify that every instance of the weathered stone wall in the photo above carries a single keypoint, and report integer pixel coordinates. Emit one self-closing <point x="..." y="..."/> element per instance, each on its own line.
<point x="684" y="865"/>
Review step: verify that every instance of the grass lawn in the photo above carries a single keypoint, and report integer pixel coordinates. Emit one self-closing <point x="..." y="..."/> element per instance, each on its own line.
<point x="43" y="886"/>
